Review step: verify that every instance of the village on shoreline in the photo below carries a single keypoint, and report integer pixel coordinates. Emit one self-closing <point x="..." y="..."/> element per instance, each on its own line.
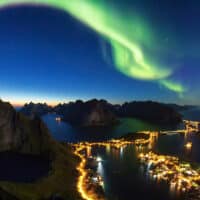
<point x="180" y="176"/>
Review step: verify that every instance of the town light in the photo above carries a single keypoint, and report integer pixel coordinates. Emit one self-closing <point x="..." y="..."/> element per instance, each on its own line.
<point x="188" y="145"/>
<point x="99" y="159"/>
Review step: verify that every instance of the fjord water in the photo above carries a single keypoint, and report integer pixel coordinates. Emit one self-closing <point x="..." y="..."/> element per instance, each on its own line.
<point x="124" y="176"/>
<point x="63" y="131"/>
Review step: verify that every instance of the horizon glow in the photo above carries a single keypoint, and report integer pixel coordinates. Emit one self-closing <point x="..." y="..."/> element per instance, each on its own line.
<point x="18" y="102"/>
<point x="130" y="38"/>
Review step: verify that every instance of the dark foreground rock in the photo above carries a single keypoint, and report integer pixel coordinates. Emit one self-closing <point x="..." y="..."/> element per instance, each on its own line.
<point x="6" y="196"/>
<point x="29" y="140"/>
<point x="21" y="134"/>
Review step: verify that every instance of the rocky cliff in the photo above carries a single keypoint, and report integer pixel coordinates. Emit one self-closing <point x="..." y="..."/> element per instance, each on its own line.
<point x="21" y="134"/>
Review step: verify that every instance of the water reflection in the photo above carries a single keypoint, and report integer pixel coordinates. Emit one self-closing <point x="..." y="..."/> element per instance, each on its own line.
<point x="121" y="170"/>
<point x="100" y="169"/>
<point x="115" y="153"/>
<point x="134" y="172"/>
<point x="88" y="151"/>
<point x="121" y="151"/>
<point x="107" y="149"/>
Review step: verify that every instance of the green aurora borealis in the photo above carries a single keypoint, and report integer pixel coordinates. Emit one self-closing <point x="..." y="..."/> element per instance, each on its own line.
<point x="130" y="37"/>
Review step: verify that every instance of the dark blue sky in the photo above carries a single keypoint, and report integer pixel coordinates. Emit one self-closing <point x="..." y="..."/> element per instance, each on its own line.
<point x="46" y="55"/>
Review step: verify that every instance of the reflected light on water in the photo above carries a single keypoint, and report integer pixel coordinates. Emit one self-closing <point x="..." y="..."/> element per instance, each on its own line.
<point x="115" y="153"/>
<point x="108" y="149"/>
<point x="121" y="152"/>
<point x="88" y="151"/>
<point x="180" y="176"/>
<point x="100" y="169"/>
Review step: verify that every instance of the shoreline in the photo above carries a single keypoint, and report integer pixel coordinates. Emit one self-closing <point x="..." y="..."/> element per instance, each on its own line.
<point x="69" y="170"/>
<point x="118" y="143"/>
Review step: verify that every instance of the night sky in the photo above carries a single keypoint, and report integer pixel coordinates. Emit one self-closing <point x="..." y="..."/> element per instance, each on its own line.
<point x="120" y="51"/>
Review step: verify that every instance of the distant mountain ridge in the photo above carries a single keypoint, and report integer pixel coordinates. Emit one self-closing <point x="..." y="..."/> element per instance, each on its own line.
<point x="89" y="113"/>
<point x="102" y="113"/>
<point x="37" y="109"/>
<point x="150" y="111"/>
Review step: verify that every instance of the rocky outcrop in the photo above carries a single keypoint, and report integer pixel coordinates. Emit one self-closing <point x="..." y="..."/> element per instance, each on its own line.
<point x="21" y="134"/>
<point x="35" y="110"/>
<point x="150" y="111"/>
<point x="90" y="113"/>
